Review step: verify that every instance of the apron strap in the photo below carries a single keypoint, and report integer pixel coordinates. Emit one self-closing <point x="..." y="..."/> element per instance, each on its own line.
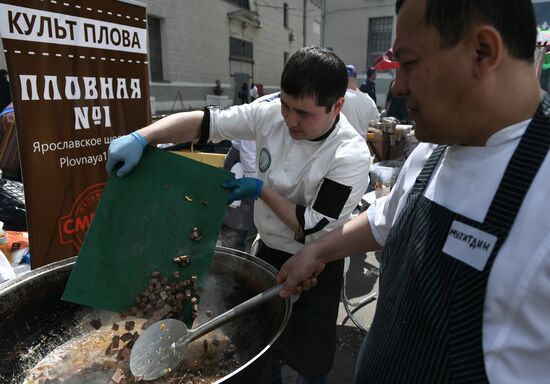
<point x="428" y="169"/>
<point x="521" y="170"/>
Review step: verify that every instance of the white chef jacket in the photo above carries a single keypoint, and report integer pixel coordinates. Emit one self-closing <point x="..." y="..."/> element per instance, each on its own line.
<point x="296" y="169"/>
<point x="360" y="110"/>
<point x="516" y="317"/>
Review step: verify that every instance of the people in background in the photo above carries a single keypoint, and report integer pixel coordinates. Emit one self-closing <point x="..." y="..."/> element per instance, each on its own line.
<point x="217" y="89"/>
<point x="238" y="229"/>
<point x="244" y="94"/>
<point x="358" y="108"/>
<point x="253" y="92"/>
<point x="396" y="106"/>
<point x="9" y="149"/>
<point x="369" y="87"/>
<point x="5" y="93"/>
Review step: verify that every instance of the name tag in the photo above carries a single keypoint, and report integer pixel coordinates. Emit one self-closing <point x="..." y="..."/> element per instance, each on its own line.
<point x="469" y="245"/>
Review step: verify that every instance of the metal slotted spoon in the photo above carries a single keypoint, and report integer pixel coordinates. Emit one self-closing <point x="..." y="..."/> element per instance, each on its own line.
<point x="161" y="347"/>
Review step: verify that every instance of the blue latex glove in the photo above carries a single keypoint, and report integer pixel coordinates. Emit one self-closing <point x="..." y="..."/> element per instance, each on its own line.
<point x="244" y="188"/>
<point x="127" y="150"/>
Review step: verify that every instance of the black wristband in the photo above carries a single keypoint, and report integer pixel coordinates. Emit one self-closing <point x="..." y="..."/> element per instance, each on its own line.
<point x="205" y="127"/>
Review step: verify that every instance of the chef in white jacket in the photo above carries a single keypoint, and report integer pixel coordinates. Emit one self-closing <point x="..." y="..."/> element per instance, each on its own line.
<point x="359" y="108"/>
<point x="312" y="170"/>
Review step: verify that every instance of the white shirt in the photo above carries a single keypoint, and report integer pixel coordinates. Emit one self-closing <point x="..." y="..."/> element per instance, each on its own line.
<point x="360" y="110"/>
<point x="247" y="156"/>
<point x="295" y="168"/>
<point x="254" y="92"/>
<point x="516" y="317"/>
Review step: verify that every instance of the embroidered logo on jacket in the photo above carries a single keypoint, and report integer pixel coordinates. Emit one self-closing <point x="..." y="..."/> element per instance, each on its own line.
<point x="265" y="160"/>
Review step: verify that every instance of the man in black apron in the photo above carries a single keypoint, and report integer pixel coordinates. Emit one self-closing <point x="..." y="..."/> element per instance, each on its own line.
<point x="465" y="274"/>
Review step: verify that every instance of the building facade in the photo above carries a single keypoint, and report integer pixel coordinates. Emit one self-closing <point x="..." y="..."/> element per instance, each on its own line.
<point x="193" y="43"/>
<point x="361" y="30"/>
<point x="368" y="33"/>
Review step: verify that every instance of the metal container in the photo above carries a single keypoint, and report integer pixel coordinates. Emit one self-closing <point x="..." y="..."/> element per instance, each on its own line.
<point x="387" y="126"/>
<point x="34" y="320"/>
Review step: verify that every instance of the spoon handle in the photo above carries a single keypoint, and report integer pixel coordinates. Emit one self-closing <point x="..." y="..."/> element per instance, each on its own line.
<point x="229" y="315"/>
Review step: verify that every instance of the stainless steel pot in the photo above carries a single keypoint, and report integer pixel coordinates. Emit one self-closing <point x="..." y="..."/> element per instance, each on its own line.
<point x="34" y="320"/>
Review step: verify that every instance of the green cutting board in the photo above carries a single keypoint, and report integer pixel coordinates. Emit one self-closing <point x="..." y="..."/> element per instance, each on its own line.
<point x="143" y="221"/>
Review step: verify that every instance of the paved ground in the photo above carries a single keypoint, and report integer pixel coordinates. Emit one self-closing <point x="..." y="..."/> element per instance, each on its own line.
<point x="361" y="279"/>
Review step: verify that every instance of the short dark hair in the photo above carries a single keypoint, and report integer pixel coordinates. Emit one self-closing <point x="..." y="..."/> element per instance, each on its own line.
<point x="315" y="72"/>
<point x="370" y="71"/>
<point x="513" y="19"/>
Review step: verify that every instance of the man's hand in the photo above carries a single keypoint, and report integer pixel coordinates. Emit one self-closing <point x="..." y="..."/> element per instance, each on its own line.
<point x="127" y="150"/>
<point x="244" y="188"/>
<point x="300" y="272"/>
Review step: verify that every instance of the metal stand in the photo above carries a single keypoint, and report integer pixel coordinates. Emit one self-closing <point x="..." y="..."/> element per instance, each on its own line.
<point x="352" y="307"/>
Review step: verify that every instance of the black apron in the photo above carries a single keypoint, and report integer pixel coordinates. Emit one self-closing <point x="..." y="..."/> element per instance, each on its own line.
<point x="308" y="342"/>
<point x="428" y="322"/>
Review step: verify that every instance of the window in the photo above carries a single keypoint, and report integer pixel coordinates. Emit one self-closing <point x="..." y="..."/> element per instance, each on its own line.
<point x="285" y="15"/>
<point x="155" y="48"/>
<point x="241" y="3"/>
<point x="379" y="39"/>
<point x="241" y="50"/>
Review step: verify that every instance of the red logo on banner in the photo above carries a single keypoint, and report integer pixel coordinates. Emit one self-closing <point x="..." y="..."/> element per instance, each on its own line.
<point x="74" y="226"/>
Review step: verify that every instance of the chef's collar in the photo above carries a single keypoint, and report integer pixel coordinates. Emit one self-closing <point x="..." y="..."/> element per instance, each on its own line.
<point x="327" y="133"/>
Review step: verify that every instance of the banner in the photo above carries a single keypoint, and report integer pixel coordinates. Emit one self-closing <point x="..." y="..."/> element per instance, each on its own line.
<point x="79" y="77"/>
